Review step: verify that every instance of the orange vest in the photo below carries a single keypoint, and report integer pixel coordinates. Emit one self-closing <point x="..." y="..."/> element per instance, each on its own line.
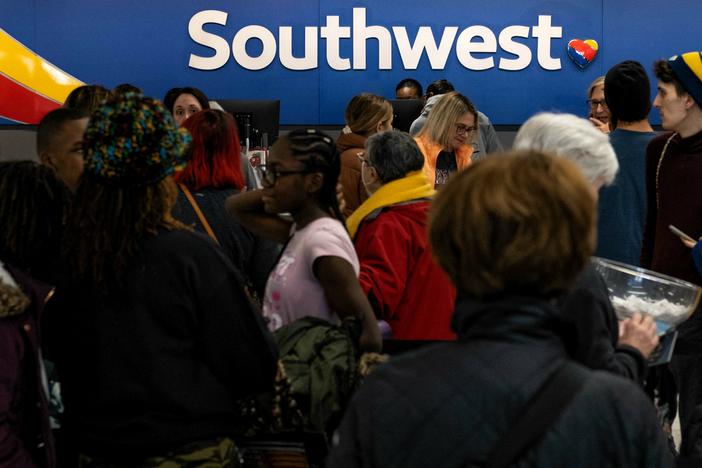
<point x="431" y="150"/>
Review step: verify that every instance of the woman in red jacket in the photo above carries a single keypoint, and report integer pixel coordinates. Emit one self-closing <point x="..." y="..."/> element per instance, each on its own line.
<point x="404" y="285"/>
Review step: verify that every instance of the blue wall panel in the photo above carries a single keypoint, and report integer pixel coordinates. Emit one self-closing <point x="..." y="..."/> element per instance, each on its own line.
<point x="148" y="44"/>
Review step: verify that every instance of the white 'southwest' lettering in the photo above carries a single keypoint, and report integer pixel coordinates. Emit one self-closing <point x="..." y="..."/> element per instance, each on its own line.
<point x="472" y="40"/>
<point x="213" y="41"/>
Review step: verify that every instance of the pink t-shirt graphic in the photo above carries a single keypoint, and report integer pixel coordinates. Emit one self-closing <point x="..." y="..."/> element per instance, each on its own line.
<point x="292" y="291"/>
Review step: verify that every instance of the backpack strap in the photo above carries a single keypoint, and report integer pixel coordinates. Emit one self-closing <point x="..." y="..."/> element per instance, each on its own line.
<point x="542" y="411"/>
<point x="199" y="213"/>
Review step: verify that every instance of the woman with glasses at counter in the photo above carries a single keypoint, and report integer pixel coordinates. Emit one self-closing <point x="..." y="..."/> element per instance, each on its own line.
<point x="598" y="111"/>
<point x="445" y="140"/>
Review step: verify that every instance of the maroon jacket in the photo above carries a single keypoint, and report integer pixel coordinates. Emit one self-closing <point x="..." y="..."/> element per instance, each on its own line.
<point x="673" y="198"/>
<point x="400" y="276"/>
<point x="25" y="432"/>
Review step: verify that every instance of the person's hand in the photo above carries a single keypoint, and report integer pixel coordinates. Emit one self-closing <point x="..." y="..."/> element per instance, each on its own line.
<point x="601" y="126"/>
<point x="688" y="243"/>
<point x="639" y="332"/>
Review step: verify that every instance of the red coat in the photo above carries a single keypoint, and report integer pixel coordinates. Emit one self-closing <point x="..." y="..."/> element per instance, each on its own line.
<point x="410" y="291"/>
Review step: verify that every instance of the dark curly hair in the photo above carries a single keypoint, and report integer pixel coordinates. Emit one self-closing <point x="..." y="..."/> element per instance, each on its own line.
<point x="108" y="221"/>
<point x="33" y="208"/>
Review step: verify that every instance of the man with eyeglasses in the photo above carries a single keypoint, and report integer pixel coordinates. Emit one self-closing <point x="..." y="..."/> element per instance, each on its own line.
<point x="599" y="112"/>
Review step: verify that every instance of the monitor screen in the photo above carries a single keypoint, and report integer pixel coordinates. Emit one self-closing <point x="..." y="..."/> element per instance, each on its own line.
<point x="256" y="119"/>
<point x="405" y="111"/>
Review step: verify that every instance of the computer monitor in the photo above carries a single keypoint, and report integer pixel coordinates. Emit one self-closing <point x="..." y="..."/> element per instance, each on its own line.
<point x="258" y="119"/>
<point x="405" y="111"/>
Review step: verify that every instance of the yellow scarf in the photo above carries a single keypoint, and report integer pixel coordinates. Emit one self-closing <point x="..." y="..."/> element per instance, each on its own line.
<point x="415" y="185"/>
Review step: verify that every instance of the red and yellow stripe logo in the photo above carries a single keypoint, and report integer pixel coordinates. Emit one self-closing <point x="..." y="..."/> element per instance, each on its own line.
<point x="30" y="86"/>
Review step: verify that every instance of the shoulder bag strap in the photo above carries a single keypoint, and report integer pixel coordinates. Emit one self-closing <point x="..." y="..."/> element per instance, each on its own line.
<point x="199" y="214"/>
<point x="542" y="411"/>
<point x="248" y="288"/>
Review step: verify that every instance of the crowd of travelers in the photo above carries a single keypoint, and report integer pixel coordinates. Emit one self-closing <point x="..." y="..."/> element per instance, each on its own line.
<point x="410" y="299"/>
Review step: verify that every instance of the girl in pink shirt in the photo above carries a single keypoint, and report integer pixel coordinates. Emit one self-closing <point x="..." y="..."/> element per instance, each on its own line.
<point x="317" y="274"/>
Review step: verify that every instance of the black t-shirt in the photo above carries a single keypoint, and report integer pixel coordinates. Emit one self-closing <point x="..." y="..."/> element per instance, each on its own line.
<point x="445" y="166"/>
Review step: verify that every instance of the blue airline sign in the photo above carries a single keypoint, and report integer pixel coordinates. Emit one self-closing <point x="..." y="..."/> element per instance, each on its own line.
<point x="508" y="56"/>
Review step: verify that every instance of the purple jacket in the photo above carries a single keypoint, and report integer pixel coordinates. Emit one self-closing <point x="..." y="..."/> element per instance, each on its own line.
<point x="25" y="432"/>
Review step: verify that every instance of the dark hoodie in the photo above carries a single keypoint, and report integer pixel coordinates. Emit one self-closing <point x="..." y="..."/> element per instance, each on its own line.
<point x="25" y="433"/>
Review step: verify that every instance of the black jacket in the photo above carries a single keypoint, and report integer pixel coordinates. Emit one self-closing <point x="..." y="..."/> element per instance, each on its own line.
<point x="162" y="361"/>
<point x="253" y="255"/>
<point x="593" y="340"/>
<point x="448" y="405"/>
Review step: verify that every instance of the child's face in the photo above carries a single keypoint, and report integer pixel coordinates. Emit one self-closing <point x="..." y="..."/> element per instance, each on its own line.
<point x="285" y="187"/>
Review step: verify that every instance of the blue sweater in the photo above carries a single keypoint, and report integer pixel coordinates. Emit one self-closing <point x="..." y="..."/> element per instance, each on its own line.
<point x="622" y="205"/>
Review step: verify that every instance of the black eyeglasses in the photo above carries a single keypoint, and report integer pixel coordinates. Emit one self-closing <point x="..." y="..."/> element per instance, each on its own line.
<point x="593" y="103"/>
<point x="464" y="129"/>
<point x="270" y="177"/>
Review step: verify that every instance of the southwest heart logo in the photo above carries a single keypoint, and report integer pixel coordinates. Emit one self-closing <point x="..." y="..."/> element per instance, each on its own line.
<point x="582" y="53"/>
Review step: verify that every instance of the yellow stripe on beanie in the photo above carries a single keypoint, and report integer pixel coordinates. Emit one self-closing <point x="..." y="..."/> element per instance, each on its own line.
<point x="687" y="68"/>
<point x="694" y="61"/>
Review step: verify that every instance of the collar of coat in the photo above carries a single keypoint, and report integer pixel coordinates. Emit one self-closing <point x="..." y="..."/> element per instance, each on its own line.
<point x="411" y="187"/>
<point x="510" y="317"/>
<point x="12" y="300"/>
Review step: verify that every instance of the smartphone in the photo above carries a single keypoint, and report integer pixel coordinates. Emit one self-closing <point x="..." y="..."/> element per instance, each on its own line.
<point x="664" y="351"/>
<point x="680" y="234"/>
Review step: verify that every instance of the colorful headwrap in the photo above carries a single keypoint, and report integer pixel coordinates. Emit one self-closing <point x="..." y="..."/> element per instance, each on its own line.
<point x="688" y="70"/>
<point x="133" y="140"/>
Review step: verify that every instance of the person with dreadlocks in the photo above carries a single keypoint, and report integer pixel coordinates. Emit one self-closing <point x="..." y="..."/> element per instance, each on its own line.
<point x="153" y="335"/>
<point x="317" y="273"/>
<point x="33" y="208"/>
<point x="33" y="204"/>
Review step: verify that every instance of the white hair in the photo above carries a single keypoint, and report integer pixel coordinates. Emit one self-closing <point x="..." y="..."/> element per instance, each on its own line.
<point x="573" y="138"/>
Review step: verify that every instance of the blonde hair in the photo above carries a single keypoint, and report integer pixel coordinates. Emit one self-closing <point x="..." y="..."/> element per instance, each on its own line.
<point x="365" y="111"/>
<point x="598" y="81"/>
<point x="523" y="223"/>
<point x="443" y="117"/>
